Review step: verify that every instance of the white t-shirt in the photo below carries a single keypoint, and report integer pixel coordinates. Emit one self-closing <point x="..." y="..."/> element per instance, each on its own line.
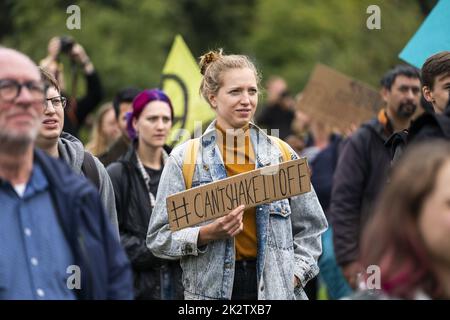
<point x="20" y="189"/>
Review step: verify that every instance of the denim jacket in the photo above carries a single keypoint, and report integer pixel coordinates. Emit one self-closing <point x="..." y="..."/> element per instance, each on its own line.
<point x="288" y="232"/>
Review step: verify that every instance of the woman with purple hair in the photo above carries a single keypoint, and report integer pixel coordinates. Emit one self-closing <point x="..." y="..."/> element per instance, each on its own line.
<point x="135" y="177"/>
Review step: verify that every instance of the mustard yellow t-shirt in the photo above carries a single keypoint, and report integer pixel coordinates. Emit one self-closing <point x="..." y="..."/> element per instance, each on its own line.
<point x="238" y="157"/>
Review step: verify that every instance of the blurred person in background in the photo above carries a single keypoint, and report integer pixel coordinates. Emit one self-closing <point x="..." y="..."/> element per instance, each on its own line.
<point x="275" y="86"/>
<point x="78" y="108"/>
<point x="278" y="113"/>
<point x="105" y="130"/>
<point x="300" y="131"/>
<point x="363" y="165"/>
<point x="122" y="104"/>
<point x="322" y="155"/>
<point x="317" y="139"/>
<point x="408" y="237"/>
<point x="135" y="177"/>
<point x="279" y="116"/>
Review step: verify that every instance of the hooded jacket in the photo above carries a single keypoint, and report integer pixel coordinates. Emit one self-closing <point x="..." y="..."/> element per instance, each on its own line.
<point x="71" y="150"/>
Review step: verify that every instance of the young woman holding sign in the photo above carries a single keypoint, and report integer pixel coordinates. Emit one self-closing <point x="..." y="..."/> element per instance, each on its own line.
<point x="267" y="252"/>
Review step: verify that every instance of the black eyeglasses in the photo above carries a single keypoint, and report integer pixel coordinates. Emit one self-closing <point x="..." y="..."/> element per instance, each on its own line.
<point x="58" y="101"/>
<point x="10" y="89"/>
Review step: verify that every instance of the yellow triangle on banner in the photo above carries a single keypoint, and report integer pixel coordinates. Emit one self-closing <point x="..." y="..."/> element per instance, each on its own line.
<point x="181" y="80"/>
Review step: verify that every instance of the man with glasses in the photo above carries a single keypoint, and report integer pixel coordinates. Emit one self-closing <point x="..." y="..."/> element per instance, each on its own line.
<point x="63" y="145"/>
<point x="56" y="242"/>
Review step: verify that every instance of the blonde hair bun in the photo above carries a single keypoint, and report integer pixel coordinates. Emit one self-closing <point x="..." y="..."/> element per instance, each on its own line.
<point x="208" y="58"/>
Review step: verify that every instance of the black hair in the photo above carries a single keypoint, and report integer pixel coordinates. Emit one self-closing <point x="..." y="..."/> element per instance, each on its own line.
<point x="124" y="95"/>
<point x="399" y="70"/>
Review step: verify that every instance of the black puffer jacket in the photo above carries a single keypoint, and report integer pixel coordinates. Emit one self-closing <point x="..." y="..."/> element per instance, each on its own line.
<point x="133" y="212"/>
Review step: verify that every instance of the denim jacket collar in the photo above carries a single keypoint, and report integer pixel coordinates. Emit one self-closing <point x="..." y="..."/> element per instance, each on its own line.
<point x="212" y="158"/>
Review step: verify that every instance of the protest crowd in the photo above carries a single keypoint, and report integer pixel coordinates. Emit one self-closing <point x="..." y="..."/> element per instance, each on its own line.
<point x="99" y="219"/>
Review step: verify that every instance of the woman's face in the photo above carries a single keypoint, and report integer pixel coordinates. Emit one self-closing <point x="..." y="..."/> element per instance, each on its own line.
<point x="434" y="220"/>
<point x="154" y="124"/>
<point x="235" y="102"/>
<point x="109" y="126"/>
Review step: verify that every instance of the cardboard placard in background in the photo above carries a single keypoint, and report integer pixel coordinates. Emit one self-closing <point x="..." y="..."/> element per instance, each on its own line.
<point x="338" y="100"/>
<point x="256" y="187"/>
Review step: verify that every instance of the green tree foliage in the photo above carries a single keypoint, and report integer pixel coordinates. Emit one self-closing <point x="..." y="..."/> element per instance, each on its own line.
<point x="216" y="24"/>
<point x="289" y="37"/>
<point x="128" y="41"/>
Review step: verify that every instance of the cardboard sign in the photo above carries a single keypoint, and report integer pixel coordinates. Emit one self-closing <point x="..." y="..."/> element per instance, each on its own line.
<point x="432" y="37"/>
<point x="338" y="100"/>
<point x="256" y="187"/>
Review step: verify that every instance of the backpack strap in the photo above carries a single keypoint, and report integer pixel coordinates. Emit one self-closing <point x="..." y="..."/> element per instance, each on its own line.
<point x="190" y="157"/>
<point x="285" y="152"/>
<point x="90" y="170"/>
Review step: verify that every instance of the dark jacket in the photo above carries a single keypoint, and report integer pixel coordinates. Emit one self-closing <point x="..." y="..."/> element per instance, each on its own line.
<point x="360" y="174"/>
<point x="276" y="117"/>
<point x="323" y="167"/>
<point x="105" y="269"/>
<point x="428" y="126"/>
<point x="117" y="149"/>
<point x="74" y="115"/>
<point x="133" y="211"/>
